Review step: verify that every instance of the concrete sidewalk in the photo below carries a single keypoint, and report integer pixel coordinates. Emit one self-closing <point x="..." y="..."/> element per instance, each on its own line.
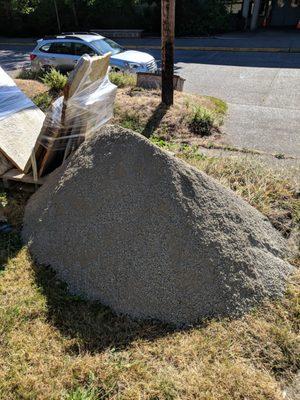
<point x="260" y="41"/>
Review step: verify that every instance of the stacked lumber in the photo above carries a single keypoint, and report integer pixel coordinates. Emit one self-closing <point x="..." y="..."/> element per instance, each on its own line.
<point x="35" y="144"/>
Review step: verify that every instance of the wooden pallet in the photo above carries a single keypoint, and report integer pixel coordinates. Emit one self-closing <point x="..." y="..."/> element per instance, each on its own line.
<point x="17" y="176"/>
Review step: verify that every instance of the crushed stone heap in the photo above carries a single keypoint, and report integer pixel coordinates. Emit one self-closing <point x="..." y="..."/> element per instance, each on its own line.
<point x="130" y="225"/>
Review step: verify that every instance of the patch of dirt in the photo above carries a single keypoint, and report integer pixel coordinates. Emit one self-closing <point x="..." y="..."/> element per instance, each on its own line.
<point x="142" y="111"/>
<point x="31" y="87"/>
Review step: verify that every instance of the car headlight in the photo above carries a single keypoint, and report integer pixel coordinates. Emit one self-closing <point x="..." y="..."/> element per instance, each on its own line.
<point x="132" y="65"/>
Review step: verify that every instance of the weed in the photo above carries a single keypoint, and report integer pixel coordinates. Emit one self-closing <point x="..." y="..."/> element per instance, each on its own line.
<point x="26" y="73"/>
<point x="84" y="393"/>
<point x="280" y="156"/>
<point x="202" y="121"/>
<point x="122" y="80"/>
<point x="43" y="101"/>
<point x="221" y="105"/>
<point x="55" y="80"/>
<point x="131" y="121"/>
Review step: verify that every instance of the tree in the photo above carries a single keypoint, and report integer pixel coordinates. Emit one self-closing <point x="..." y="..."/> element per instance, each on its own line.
<point x="20" y="6"/>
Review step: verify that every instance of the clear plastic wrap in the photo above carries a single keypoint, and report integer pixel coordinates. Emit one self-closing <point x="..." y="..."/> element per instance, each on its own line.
<point x="87" y="104"/>
<point x="12" y="99"/>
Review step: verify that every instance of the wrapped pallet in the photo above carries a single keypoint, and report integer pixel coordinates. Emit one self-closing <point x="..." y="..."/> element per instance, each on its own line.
<point x="86" y="105"/>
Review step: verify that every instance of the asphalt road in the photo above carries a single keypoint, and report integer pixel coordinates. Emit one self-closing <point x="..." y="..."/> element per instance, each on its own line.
<point x="262" y="90"/>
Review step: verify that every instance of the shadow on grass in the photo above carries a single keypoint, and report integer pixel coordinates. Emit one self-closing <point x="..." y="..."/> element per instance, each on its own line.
<point x="155" y="120"/>
<point x="95" y="326"/>
<point x="10" y="243"/>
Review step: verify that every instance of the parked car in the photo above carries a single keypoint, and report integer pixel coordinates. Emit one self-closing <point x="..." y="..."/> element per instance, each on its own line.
<point x="63" y="51"/>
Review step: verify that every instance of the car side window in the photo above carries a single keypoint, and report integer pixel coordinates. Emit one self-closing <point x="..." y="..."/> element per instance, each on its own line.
<point x="80" y="49"/>
<point x="45" y="48"/>
<point x="61" y="48"/>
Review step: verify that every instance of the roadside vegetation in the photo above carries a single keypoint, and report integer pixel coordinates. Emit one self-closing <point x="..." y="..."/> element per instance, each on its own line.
<point x="122" y="80"/>
<point x="42" y="87"/>
<point x="57" y="346"/>
<point x="191" y="119"/>
<point x="55" y="80"/>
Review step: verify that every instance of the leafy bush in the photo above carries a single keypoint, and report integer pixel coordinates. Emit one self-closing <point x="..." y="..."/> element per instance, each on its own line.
<point x="55" y="80"/>
<point x="121" y="79"/>
<point x="43" y="101"/>
<point x="202" y="121"/>
<point x="26" y="73"/>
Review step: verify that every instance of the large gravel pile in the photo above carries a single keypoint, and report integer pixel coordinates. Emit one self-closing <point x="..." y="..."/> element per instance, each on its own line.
<point x="132" y="226"/>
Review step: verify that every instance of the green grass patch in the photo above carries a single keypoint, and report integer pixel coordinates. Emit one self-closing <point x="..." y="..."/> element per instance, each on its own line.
<point x="43" y="101"/>
<point x="122" y="80"/>
<point x="221" y="105"/>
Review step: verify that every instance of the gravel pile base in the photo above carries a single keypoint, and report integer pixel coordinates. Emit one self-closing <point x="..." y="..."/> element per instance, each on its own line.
<point x="130" y="225"/>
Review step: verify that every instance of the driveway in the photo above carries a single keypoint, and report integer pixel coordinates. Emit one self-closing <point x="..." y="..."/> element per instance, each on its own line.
<point x="262" y="90"/>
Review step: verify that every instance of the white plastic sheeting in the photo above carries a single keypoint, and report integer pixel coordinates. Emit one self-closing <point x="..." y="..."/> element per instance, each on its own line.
<point x="81" y="116"/>
<point x="85" y="107"/>
<point x="20" y="123"/>
<point x="12" y="99"/>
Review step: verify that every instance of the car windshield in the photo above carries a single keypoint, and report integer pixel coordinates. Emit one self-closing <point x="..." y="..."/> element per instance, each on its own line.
<point x="107" y="45"/>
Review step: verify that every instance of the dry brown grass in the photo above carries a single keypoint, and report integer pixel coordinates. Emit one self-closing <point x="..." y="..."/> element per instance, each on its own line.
<point x="31" y="87"/>
<point x="271" y="193"/>
<point x="142" y="111"/>
<point x="56" y="346"/>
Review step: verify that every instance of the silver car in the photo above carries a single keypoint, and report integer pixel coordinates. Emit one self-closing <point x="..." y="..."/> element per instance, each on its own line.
<point x="63" y="51"/>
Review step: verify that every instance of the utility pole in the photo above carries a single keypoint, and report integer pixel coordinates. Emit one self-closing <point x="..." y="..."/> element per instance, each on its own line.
<point x="57" y="16"/>
<point x="168" y="36"/>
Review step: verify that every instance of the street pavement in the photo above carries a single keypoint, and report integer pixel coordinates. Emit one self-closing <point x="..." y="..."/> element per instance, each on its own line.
<point x="262" y="89"/>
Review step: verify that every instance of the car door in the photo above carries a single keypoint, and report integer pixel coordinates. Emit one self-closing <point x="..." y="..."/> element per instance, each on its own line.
<point x="82" y="48"/>
<point x="61" y="54"/>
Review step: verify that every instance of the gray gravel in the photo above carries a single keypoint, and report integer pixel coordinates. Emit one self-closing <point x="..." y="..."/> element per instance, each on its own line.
<point x="130" y="225"/>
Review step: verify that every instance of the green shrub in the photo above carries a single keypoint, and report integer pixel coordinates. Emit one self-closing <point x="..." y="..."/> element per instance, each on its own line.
<point x="43" y="100"/>
<point x="55" y="80"/>
<point x="202" y="121"/>
<point x="29" y="74"/>
<point x="122" y="79"/>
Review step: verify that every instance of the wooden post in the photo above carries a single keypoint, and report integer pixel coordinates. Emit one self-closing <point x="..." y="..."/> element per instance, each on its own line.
<point x="168" y="35"/>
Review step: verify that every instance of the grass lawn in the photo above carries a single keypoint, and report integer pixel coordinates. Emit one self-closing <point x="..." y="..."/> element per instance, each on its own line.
<point x="57" y="346"/>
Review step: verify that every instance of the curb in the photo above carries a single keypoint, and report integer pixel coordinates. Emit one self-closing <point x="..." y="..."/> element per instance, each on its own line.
<point x="195" y="48"/>
<point x="227" y="49"/>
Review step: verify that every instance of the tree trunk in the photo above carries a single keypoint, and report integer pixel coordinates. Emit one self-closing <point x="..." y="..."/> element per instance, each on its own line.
<point x="168" y="35"/>
<point x="57" y="16"/>
<point x="74" y="13"/>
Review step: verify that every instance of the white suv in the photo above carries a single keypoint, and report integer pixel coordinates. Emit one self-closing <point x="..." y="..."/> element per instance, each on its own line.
<point x="63" y="51"/>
